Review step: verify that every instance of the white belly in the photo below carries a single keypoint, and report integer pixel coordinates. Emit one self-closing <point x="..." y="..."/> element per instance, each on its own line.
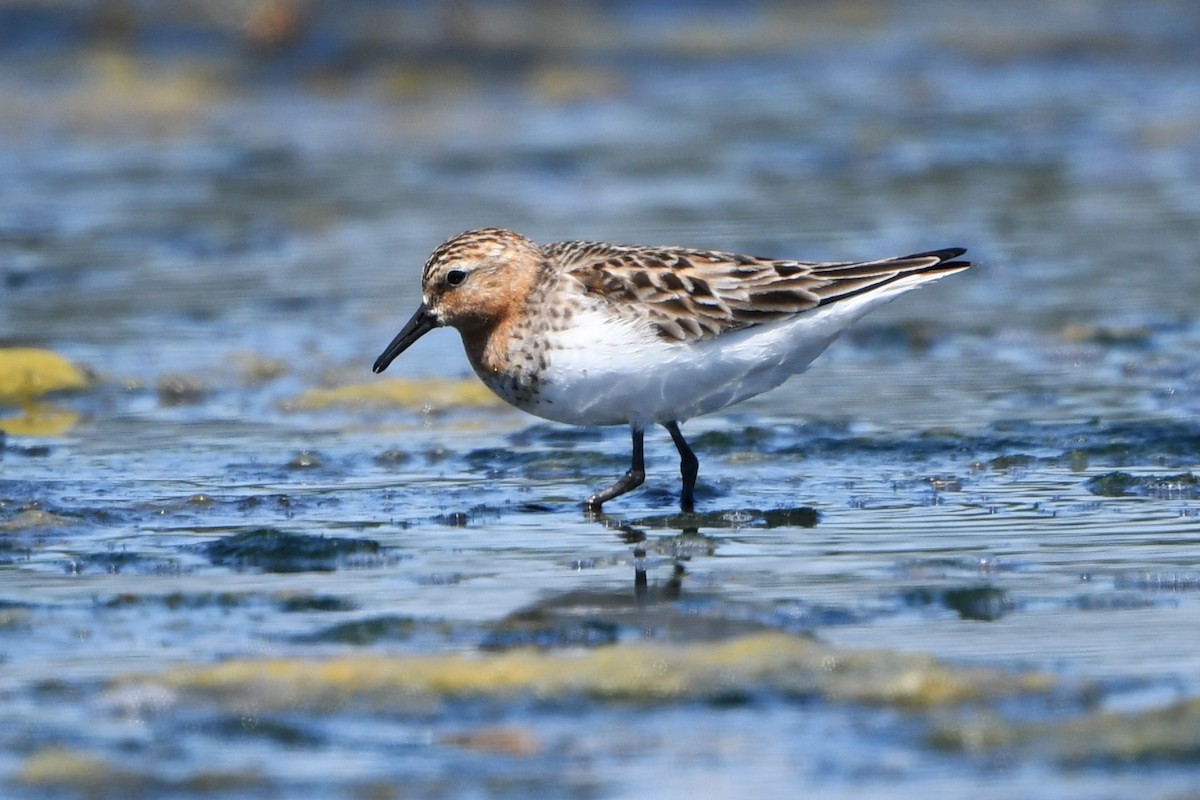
<point x="604" y="370"/>
<point x="607" y="372"/>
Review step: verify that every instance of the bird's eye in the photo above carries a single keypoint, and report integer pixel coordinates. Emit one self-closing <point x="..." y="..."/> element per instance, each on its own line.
<point x="455" y="276"/>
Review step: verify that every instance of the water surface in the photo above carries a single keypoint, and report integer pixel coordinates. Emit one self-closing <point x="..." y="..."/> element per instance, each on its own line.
<point x="988" y="485"/>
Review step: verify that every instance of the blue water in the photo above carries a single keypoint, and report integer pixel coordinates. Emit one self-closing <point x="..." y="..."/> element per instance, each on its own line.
<point x="181" y="209"/>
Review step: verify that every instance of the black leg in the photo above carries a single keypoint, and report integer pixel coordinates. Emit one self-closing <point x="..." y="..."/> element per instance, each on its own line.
<point x="631" y="480"/>
<point x="689" y="467"/>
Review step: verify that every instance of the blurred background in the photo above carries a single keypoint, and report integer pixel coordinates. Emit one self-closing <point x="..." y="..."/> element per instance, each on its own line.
<point x="213" y="216"/>
<point x="183" y="179"/>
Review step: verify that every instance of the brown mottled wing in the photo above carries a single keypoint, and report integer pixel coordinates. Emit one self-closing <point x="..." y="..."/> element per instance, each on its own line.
<point x="697" y="294"/>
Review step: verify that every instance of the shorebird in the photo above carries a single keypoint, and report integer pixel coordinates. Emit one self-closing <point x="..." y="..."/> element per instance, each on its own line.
<point x="592" y="333"/>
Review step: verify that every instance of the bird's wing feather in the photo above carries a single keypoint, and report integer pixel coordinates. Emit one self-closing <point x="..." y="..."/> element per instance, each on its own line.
<point x="688" y="295"/>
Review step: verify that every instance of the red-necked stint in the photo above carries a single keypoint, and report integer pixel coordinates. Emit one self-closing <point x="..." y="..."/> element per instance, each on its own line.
<point x="591" y="333"/>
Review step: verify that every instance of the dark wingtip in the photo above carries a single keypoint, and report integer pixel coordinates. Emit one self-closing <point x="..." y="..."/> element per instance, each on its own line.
<point x="945" y="258"/>
<point x="945" y="254"/>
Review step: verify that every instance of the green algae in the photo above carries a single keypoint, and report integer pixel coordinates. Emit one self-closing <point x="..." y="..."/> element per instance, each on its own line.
<point x="1170" y="734"/>
<point x="1122" y="484"/>
<point x="982" y="603"/>
<point x="273" y="550"/>
<point x="362" y="632"/>
<point x="295" y="603"/>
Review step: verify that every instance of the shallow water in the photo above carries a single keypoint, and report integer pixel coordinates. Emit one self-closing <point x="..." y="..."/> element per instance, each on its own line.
<point x="996" y="472"/>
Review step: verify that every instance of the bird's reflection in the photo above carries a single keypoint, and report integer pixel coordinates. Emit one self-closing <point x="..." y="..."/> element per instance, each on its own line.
<point x="689" y="542"/>
<point x="663" y="610"/>
<point x="671" y="590"/>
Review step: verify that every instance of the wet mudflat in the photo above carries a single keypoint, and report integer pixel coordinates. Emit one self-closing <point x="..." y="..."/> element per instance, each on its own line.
<point x="959" y="555"/>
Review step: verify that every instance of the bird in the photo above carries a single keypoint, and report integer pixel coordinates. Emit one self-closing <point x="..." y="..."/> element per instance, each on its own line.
<point x="592" y="333"/>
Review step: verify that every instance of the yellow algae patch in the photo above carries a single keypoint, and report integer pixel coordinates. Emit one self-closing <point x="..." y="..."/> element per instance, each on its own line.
<point x="255" y="369"/>
<point x="643" y="672"/>
<point x="426" y="393"/>
<point x="33" y="518"/>
<point x="12" y="619"/>
<point x="27" y="373"/>
<point x="62" y="768"/>
<point x="562" y="84"/>
<point x="123" y="92"/>
<point x="40" y="421"/>
<point x="57" y="766"/>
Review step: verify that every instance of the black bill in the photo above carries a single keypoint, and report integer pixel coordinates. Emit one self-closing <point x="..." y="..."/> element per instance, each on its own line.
<point x="422" y="322"/>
